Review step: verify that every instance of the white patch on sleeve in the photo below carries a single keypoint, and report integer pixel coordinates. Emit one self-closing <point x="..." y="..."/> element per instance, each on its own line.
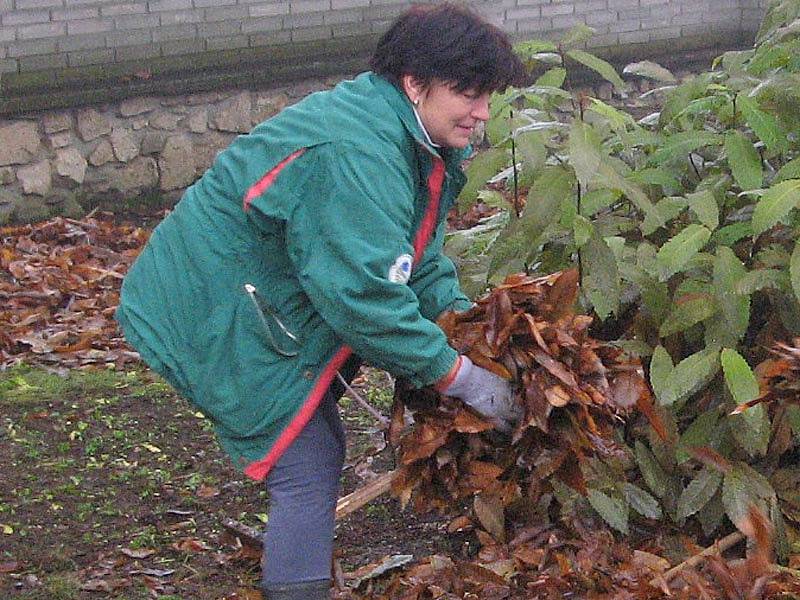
<point x="400" y="271"/>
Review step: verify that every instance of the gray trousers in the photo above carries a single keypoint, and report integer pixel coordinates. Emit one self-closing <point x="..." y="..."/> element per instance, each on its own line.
<point x="303" y="489"/>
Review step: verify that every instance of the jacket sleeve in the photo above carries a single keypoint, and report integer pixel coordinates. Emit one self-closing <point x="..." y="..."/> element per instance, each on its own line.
<point x="351" y="223"/>
<point x="435" y="282"/>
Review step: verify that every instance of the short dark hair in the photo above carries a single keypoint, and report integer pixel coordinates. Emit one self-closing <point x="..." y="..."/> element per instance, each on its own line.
<point x="449" y="43"/>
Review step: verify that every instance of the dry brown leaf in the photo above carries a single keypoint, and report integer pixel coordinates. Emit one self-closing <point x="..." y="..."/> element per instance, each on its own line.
<point x="137" y="552"/>
<point x="491" y="514"/>
<point x="557" y="396"/>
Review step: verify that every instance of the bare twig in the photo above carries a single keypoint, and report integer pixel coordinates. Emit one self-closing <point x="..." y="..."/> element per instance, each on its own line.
<point x="717" y="548"/>
<point x="246" y="534"/>
<point x="364" y="404"/>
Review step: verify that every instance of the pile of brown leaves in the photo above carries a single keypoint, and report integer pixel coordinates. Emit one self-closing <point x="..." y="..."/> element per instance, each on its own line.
<point x="573" y="389"/>
<point x="59" y="286"/>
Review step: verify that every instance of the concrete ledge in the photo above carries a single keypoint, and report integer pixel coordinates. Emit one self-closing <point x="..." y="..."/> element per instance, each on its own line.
<point x="282" y="63"/>
<point x="49" y="89"/>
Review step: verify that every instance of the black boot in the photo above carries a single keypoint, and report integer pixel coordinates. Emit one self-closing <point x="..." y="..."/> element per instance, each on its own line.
<point x="306" y="590"/>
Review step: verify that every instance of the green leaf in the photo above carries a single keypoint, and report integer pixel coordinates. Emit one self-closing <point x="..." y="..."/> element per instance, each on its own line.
<point x="582" y="230"/>
<point x="665" y="211"/>
<point x="501" y="123"/>
<point x="759" y="279"/>
<point x="742" y="488"/>
<point x="483" y="167"/>
<point x="794" y="269"/>
<point x="730" y="234"/>
<point x="494" y="199"/>
<point x="699" y="492"/>
<point x="601" y="281"/>
<point x="654" y="475"/>
<point x="641" y="501"/>
<point x="751" y="430"/>
<point x="728" y="271"/>
<point x="608" y="177"/>
<point x="702" y="432"/>
<point x="676" y="253"/>
<point x="681" y="96"/>
<point x="604" y="69"/>
<point x="584" y="150"/>
<point x="744" y="161"/>
<point x="531" y="149"/>
<point x="596" y="200"/>
<point x="661" y="368"/>
<point x="656" y="176"/>
<point x="685" y="314"/>
<point x="690" y="375"/>
<point x="618" y="119"/>
<point x="531" y="47"/>
<point x="764" y="125"/>
<point x="704" y="205"/>
<point x="656" y="300"/>
<point x="776" y="203"/>
<point x="739" y="377"/>
<point x="791" y="170"/>
<point x="649" y="69"/>
<point x="679" y="145"/>
<point x="712" y="514"/>
<point x="545" y="197"/>
<point x="613" y="510"/>
<point x="793" y="416"/>
<point x="554" y="77"/>
<point x="577" y="35"/>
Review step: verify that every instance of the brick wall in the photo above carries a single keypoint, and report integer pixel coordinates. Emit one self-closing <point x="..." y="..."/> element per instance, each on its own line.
<point x="51" y="34"/>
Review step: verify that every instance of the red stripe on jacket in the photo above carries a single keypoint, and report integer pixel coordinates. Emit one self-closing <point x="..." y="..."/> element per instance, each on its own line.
<point x="428" y="225"/>
<point x="259" y="469"/>
<point x="267" y="180"/>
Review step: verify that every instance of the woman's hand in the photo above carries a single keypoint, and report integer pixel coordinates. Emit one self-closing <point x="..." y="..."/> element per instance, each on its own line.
<point x="489" y="395"/>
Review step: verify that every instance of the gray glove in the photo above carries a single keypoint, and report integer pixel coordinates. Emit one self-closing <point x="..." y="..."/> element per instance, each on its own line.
<point x="488" y="394"/>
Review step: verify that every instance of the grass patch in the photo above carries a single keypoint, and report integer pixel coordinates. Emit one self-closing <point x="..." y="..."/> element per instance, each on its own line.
<point x="58" y="586"/>
<point x="25" y="385"/>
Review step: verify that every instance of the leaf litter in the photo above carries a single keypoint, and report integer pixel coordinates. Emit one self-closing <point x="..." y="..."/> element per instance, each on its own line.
<point x="59" y="287"/>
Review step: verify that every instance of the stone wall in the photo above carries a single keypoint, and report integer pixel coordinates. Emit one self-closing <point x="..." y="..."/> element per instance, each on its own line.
<point x="63" y="51"/>
<point x="113" y="155"/>
<point x="63" y="162"/>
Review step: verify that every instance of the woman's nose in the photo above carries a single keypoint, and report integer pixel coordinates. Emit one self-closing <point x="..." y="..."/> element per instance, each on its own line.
<point x="480" y="109"/>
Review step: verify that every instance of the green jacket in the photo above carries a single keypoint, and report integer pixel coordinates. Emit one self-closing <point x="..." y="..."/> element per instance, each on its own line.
<point x="322" y="210"/>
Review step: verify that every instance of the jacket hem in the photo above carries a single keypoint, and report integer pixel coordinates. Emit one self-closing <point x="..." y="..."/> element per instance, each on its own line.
<point x="259" y="469"/>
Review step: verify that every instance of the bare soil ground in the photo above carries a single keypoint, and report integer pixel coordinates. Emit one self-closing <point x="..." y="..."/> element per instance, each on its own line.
<point x="113" y="487"/>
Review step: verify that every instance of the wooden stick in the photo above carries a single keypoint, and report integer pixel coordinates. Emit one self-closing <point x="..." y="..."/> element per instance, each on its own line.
<point x="246" y="534"/>
<point x="367" y="493"/>
<point x="717" y="548"/>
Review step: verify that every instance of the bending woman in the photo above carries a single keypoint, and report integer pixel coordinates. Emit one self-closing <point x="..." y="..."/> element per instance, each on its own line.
<point x="314" y="244"/>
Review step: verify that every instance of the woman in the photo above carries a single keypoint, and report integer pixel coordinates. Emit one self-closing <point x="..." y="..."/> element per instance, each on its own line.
<point x="313" y="244"/>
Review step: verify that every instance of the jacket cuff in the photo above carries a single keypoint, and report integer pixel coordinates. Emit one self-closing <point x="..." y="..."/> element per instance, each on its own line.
<point x="438" y="368"/>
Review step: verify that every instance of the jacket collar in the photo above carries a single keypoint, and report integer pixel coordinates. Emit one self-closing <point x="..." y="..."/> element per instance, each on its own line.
<point x="399" y="102"/>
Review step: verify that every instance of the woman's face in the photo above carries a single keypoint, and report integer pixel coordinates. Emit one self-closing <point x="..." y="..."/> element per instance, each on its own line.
<point x="448" y="115"/>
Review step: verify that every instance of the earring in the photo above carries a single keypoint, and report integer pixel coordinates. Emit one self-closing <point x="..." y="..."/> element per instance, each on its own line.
<point x="415" y="102"/>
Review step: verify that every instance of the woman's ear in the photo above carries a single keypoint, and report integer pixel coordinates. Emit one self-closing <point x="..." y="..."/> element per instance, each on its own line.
<point x="412" y="87"/>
